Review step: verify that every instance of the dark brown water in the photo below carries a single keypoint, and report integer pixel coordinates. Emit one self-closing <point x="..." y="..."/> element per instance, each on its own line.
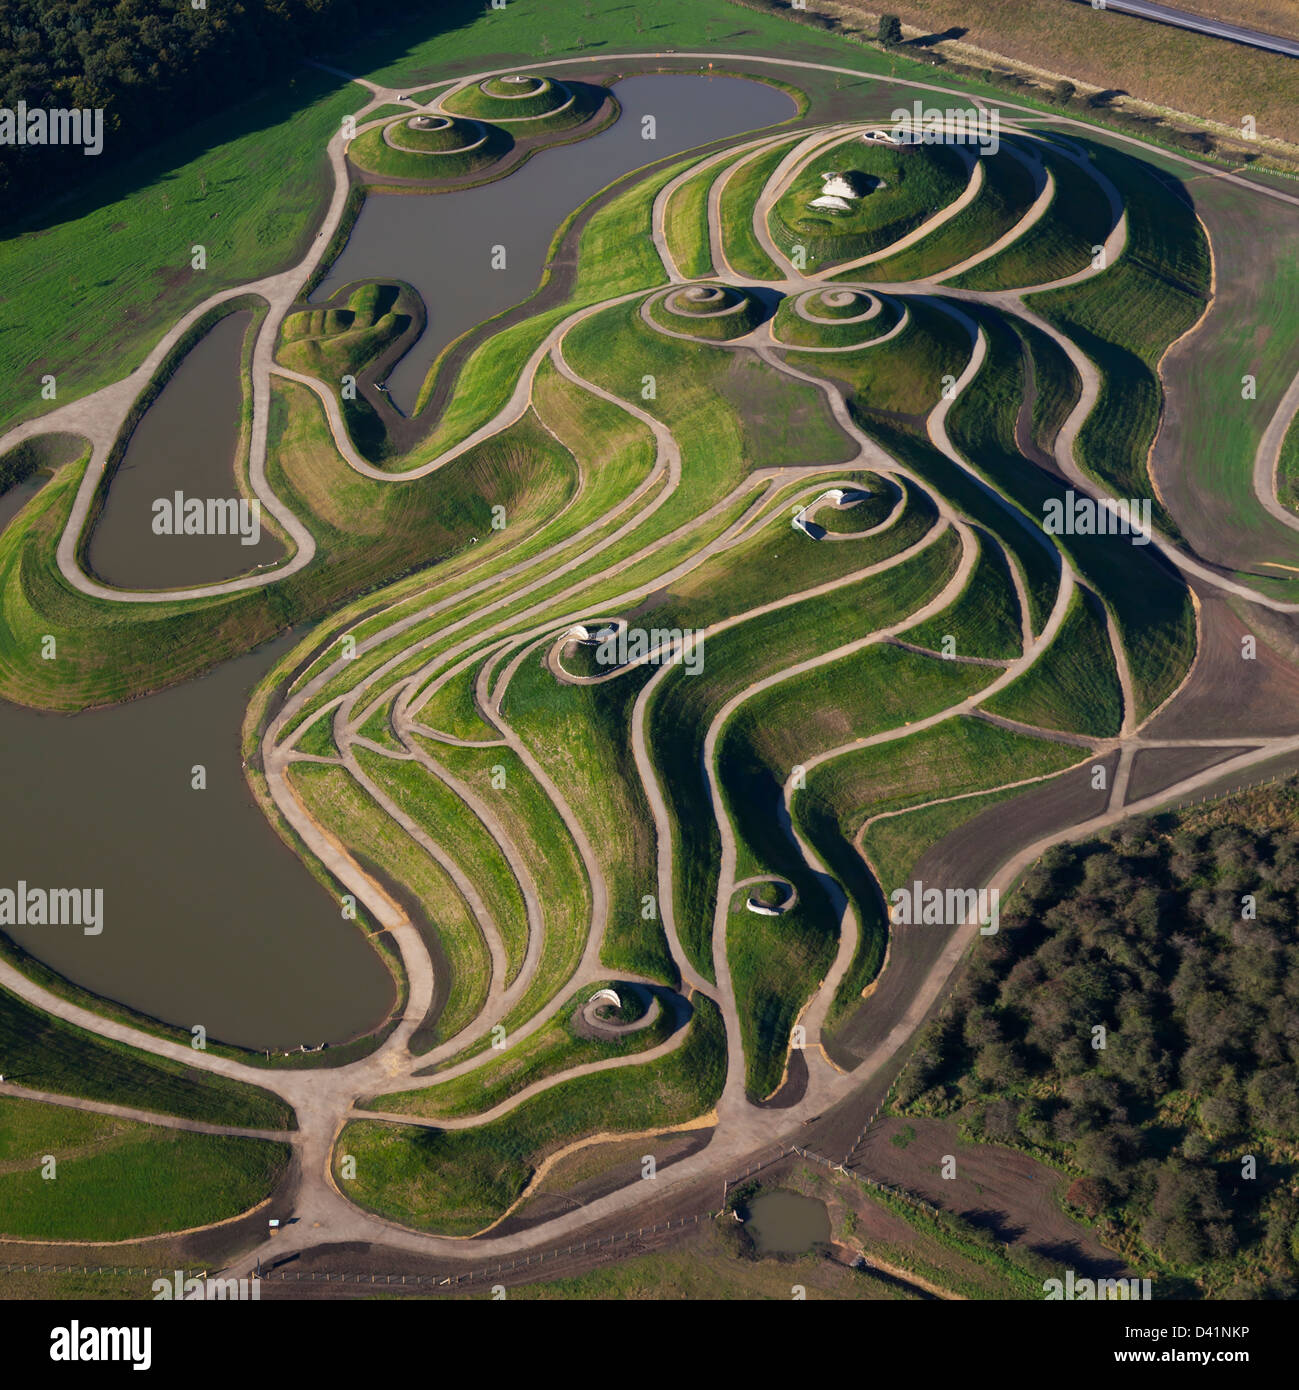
<point x="786" y="1223"/>
<point x="442" y="243"/>
<point x="208" y="918"/>
<point x="186" y="440"/>
<point x="14" y="499"/>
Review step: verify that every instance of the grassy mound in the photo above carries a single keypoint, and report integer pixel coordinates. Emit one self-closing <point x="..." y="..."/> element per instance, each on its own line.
<point x="1060" y="244"/>
<point x="534" y="107"/>
<point x="457" y="1181"/>
<point x="984" y="620"/>
<point x="1007" y="194"/>
<point x="46" y="1054"/>
<point x="1073" y="687"/>
<point x="904" y="375"/>
<point x="900" y="189"/>
<point x="403" y="151"/>
<point x="837" y="304"/>
<point x="558" y="1046"/>
<point x="333" y="341"/>
<point x="957" y="756"/>
<point x="510" y="96"/>
<point x="433" y="134"/>
<point x="717" y="312"/>
<point x="841" y="323"/>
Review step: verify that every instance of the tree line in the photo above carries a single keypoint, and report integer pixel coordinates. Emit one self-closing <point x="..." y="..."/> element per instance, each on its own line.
<point x="1137" y="1020"/>
<point x="154" y="68"/>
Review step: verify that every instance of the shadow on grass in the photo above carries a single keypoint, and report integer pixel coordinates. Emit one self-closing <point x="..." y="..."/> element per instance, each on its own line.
<point x="241" y="114"/>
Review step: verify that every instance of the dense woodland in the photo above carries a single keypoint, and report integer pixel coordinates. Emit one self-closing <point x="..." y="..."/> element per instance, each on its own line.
<point x="155" y="67"/>
<point x="1146" y="934"/>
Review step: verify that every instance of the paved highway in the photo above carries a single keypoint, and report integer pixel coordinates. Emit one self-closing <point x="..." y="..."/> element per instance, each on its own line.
<point x="1165" y="14"/>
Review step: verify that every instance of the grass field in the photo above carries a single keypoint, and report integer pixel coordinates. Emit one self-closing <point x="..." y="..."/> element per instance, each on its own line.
<point x="543" y="843"/>
<point x="438" y="811"/>
<point x="1150" y="604"/>
<point x="1125" y="319"/>
<point x="327" y="791"/>
<point x="1060" y="243"/>
<point x="984" y="620"/>
<point x="956" y="757"/>
<point x="959" y="755"/>
<point x="160" y="1179"/>
<point x="121" y="247"/>
<point x="740" y="193"/>
<point x="572" y="729"/>
<point x="686" y="226"/>
<point x="895" y="844"/>
<point x="1287" y="472"/>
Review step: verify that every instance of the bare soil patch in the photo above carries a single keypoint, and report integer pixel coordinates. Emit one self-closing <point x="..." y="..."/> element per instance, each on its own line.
<point x="1153" y="769"/>
<point x="1227" y="694"/>
<point x="1006" y="1192"/>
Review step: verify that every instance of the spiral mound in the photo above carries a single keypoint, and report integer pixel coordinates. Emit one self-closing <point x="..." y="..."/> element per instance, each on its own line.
<point x="836" y="319"/>
<point x="716" y="312"/>
<point x="513" y="97"/>
<point x="434" y="134"/>
<point x="429" y="146"/>
<point x="515" y="85"/>
<point x="837" y="306"/>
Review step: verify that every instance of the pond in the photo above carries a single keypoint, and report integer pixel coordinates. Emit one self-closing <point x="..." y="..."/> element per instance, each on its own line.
<point x="787" y="1223"/>
<point x="442" y="243"/>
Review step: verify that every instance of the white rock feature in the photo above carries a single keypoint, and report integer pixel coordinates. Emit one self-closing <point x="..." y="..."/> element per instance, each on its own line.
<point x="606" y="996"/>
<point x="836" y="186"/>
<point x="763" y="909"/>
<point x="831" y="203"/>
